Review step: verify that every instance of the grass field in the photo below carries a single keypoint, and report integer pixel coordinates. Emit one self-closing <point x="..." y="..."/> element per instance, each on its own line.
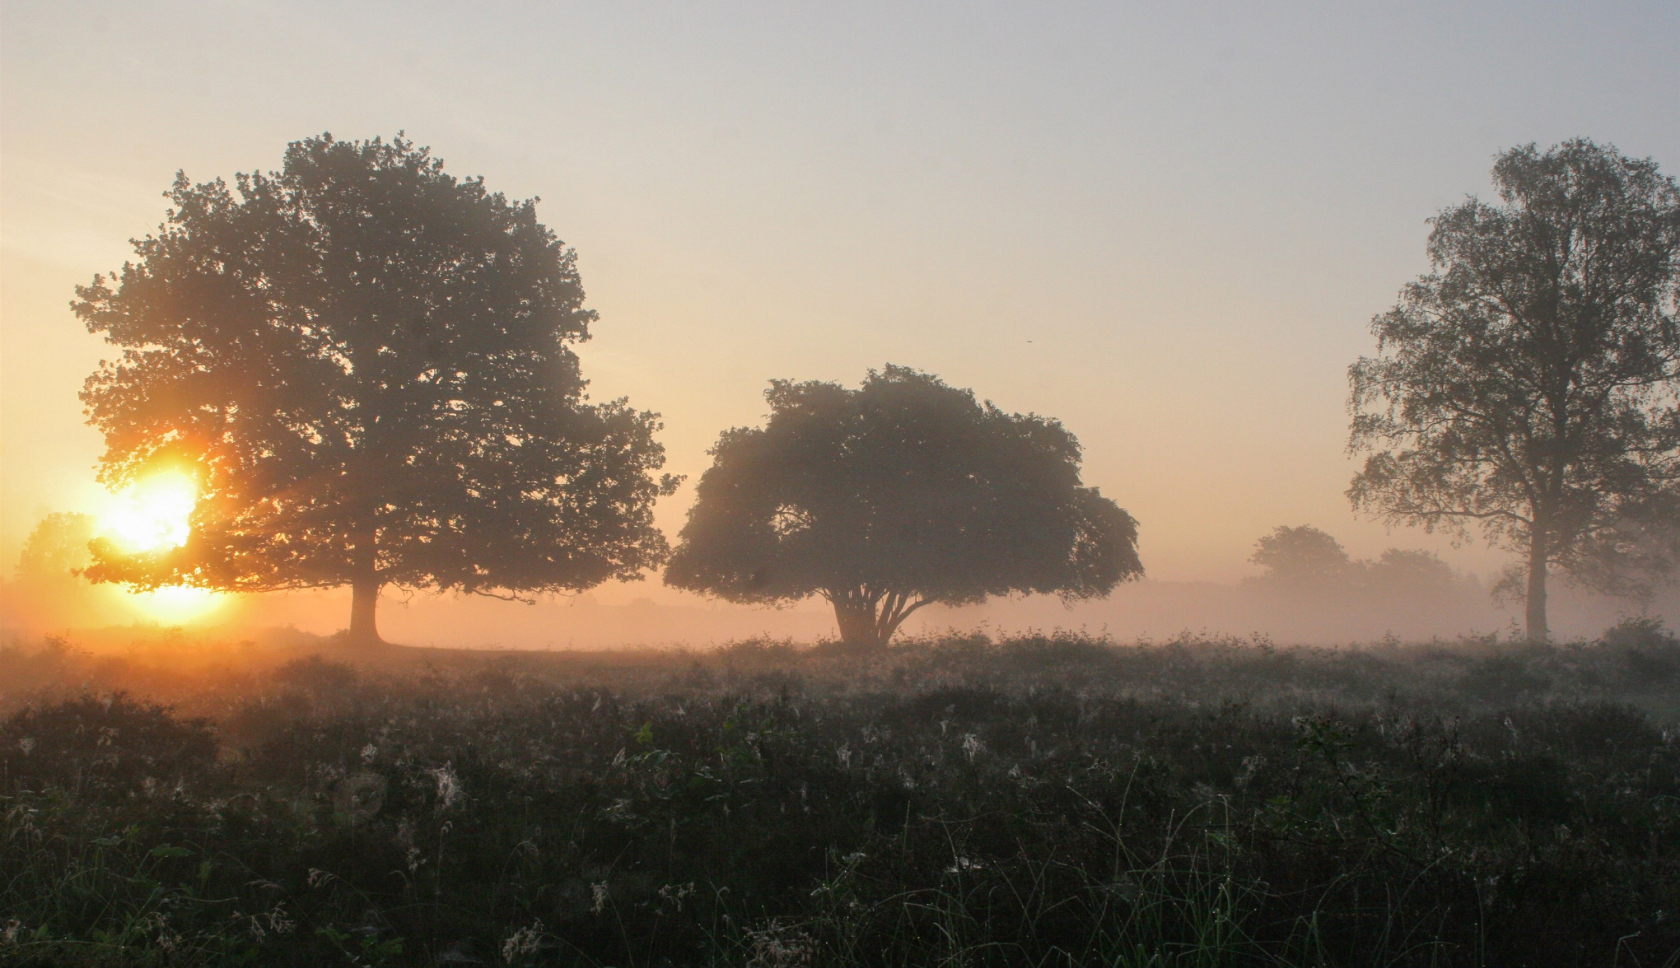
<point x="960" y="801"/>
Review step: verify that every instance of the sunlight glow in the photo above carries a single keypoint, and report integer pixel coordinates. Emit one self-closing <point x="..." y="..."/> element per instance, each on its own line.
<point x="153" y="514"/>
<point x="176" y="604"/>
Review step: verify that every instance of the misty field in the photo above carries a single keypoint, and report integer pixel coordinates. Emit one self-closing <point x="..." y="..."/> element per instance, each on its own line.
<point x="1050" y="800"/>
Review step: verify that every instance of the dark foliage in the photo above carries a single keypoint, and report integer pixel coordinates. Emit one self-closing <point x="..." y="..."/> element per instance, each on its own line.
<point x="1043" y="801"/>
<point x="893" y="496"/>
<point x="1529" y="386"/>
<point x="364" y="363"/>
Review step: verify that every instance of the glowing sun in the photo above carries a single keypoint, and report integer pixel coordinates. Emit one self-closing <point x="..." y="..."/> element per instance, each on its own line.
<point x="153" y="514"/>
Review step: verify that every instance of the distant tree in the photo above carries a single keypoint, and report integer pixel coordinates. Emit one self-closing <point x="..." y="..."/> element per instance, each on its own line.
<point x="57" y="548"/>
<point x="894" y="496"/>
<point x="1408" y="572"/>
<point x="1527" y="385"/>
<point x="1303" y="554"/>
<point x="364" y="362"/>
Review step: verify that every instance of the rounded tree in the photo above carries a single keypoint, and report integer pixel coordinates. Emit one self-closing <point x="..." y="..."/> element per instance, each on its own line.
<point x="894" y="496"/>
<point x="1528" y="385"/>
<point x="364" y="363"/>
<point x="1302" y="554"/>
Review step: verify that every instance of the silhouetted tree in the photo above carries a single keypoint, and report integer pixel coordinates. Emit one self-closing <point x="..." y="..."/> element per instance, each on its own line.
<point x="364" y="362"/>
<point x="1528" y="383"/>
<point x="57" y="548"/>
<point x="1410" y="573"/>
<point x="894" y="496"/>
<point x="1302" y="554"/>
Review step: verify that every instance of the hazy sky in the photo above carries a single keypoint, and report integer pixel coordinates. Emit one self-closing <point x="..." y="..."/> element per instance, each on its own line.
<point x="1166" y="224"/>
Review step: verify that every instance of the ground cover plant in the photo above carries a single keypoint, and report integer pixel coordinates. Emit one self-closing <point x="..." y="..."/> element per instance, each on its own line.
<point x="1043" y="800"/>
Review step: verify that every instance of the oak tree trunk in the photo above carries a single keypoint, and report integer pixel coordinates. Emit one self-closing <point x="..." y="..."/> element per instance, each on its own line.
<point x="364" y="599"/>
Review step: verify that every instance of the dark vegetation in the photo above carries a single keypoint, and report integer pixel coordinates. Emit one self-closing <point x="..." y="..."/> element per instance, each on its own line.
<point x="366" y="365"/>
<point x="1527" y="387"/>
<point x="899" y="494"/>
<point x="1051" y="800"/>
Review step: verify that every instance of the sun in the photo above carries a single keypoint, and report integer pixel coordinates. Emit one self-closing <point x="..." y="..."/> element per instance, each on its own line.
<point x="154" y="514"/>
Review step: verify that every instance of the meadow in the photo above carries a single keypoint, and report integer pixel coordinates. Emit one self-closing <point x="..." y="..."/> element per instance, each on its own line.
<point x="1041" y="800"/>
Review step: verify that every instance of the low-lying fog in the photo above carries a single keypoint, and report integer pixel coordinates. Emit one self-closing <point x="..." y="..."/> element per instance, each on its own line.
<point x="648" y="614"/>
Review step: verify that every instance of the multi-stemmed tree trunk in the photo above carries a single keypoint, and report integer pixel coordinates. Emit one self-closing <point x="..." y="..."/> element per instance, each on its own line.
<point x="868" y="618"/>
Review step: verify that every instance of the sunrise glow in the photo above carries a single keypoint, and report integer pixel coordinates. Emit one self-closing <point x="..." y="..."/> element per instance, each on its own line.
<point x="154" y="514"/>
<point x="177" y="604"/>
<point x="151" y="514"/>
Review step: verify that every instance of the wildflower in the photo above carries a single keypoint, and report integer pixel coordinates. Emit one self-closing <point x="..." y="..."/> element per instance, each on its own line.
<point x="599" y="890"/>
<point x="676" y="893"/>
<point x="1251" y="766"/>
<point x="780" y="946"/>
<point x="448" y="786"/>
<point x="524" y="942"/>
<point x="278" y="922"/>
<point x="157" y="923"/>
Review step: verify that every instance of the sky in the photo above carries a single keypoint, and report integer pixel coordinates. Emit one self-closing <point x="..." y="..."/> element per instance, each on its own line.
<point x="1168" y="225"/>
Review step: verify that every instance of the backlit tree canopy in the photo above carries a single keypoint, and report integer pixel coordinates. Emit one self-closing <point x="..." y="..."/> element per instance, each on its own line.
<point x="893" y="496"/>
<point x="1528" y="384"/>
<point x="363" y="362"/>
<point x="1301" y="554"/>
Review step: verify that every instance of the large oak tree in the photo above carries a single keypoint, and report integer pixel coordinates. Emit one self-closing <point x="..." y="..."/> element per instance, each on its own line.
<point x="894" y="496"/>
<point x="1527" y="385"/>
<point x="364" y="361"/>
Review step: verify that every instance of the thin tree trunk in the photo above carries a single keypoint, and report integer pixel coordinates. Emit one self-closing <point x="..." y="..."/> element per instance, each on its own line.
<point x="1537" y="564"/>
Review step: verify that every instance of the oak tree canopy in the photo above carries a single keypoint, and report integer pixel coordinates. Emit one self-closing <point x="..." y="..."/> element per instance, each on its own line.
<point x="364" y="362"/>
